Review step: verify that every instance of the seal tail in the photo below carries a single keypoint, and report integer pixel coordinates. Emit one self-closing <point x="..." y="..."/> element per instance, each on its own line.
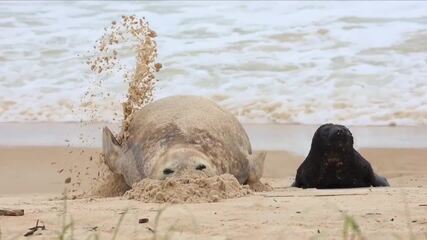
<point x="111" y="150"/>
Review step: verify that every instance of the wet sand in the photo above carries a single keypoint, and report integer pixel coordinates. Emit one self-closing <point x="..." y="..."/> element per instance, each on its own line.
<point x="30" y="179"/>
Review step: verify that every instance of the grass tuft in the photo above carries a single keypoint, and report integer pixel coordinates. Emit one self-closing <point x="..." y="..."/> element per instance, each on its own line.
<point x="94" y="236"/>
<point x="119" y="223"/>
<point x="408" y="217"/>
<point x="67" y="227"/>
<point x="351" y="227"/>
<point x="156" y="223"/>
<point x="171" y="229"/>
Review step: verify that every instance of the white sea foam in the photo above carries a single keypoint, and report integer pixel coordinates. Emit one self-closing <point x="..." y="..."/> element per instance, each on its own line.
<point x="359" y="63"/>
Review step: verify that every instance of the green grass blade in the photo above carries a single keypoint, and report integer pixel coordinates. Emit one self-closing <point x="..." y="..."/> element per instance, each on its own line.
<point x="116" y="231"/>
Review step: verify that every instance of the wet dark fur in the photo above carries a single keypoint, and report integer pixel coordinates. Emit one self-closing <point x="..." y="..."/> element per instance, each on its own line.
<point x="333" y="162"/>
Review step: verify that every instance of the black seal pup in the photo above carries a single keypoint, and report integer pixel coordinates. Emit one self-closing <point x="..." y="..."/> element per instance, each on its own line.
<point x="333" y="162"/>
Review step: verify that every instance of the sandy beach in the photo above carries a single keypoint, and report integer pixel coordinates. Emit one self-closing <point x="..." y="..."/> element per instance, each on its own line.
<point x="71" y="68"/>
<point x="31" y="179"/>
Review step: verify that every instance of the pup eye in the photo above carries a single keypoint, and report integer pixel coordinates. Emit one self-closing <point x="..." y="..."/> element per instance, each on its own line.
<point x="200" y="167"/>
<point x="167" y="171"/>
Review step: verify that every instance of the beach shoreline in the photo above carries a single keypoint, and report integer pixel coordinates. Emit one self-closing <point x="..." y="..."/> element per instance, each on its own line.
<point x="294" y="138"/>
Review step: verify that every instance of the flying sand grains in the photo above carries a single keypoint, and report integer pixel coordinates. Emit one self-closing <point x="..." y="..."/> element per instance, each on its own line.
<point x="67" y="180"/>
<point x="142" y="80"/>
<point x="107" y="183"/>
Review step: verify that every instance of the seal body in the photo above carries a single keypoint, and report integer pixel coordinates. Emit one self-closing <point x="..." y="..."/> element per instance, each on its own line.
<point x="183" y="134"/>
<point x="333" y="162"/>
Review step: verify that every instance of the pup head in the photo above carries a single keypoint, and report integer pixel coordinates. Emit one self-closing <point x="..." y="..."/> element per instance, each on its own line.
<point x="180" y="160"/>
<point x="332" y="138"/>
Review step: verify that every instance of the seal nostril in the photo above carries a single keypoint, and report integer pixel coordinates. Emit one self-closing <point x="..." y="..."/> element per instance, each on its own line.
<point x="168" y="171"/>
<point x="200" y="167"/>
<point x="340" y="132"/>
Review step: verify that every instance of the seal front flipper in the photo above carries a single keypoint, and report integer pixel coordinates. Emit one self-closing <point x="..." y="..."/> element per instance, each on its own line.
<point x="256" y="169"/>
<point x="296" y="184"/>
<point x="111" y="150"/>
<point x="380" y="181"/>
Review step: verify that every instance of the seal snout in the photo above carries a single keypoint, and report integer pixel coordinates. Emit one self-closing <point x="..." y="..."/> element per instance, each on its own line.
<point x="339" y="136"/>
<point x="183" y="160"/>
<point x="170" y="171"/>
<point x="338" y="133"/>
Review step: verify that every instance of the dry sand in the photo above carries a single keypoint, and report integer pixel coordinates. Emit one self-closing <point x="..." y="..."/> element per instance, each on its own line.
<point x="188" y="188"/>
<point x="29" y="179"/>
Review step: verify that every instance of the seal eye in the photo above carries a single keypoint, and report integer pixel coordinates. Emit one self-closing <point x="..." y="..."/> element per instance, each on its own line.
<point x="200" y="167"/>
<point x="167" y="171"/>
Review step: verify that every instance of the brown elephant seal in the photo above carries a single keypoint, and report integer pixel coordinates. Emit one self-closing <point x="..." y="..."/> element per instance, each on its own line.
<point x="183" y="134"/>
<point x="333" y="162"/>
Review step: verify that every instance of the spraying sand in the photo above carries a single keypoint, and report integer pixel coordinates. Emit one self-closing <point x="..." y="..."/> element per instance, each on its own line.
<point x="141" y="84"/>
<point x="141" y="81"/>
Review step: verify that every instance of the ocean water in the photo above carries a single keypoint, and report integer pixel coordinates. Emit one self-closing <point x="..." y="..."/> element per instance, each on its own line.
<point x="356" y="63"/>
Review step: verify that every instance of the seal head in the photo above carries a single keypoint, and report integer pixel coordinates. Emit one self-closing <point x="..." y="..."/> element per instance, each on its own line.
<point x="180" y="160"/>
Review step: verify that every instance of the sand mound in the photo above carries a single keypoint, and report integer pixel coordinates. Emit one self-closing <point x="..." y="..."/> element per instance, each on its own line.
<point x="188" y="189"/>
<point x="184" y="189"/>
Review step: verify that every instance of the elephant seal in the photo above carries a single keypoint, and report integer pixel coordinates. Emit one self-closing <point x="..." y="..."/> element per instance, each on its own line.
<point x="182" y="134"/>
<point x="333" y="162"/>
